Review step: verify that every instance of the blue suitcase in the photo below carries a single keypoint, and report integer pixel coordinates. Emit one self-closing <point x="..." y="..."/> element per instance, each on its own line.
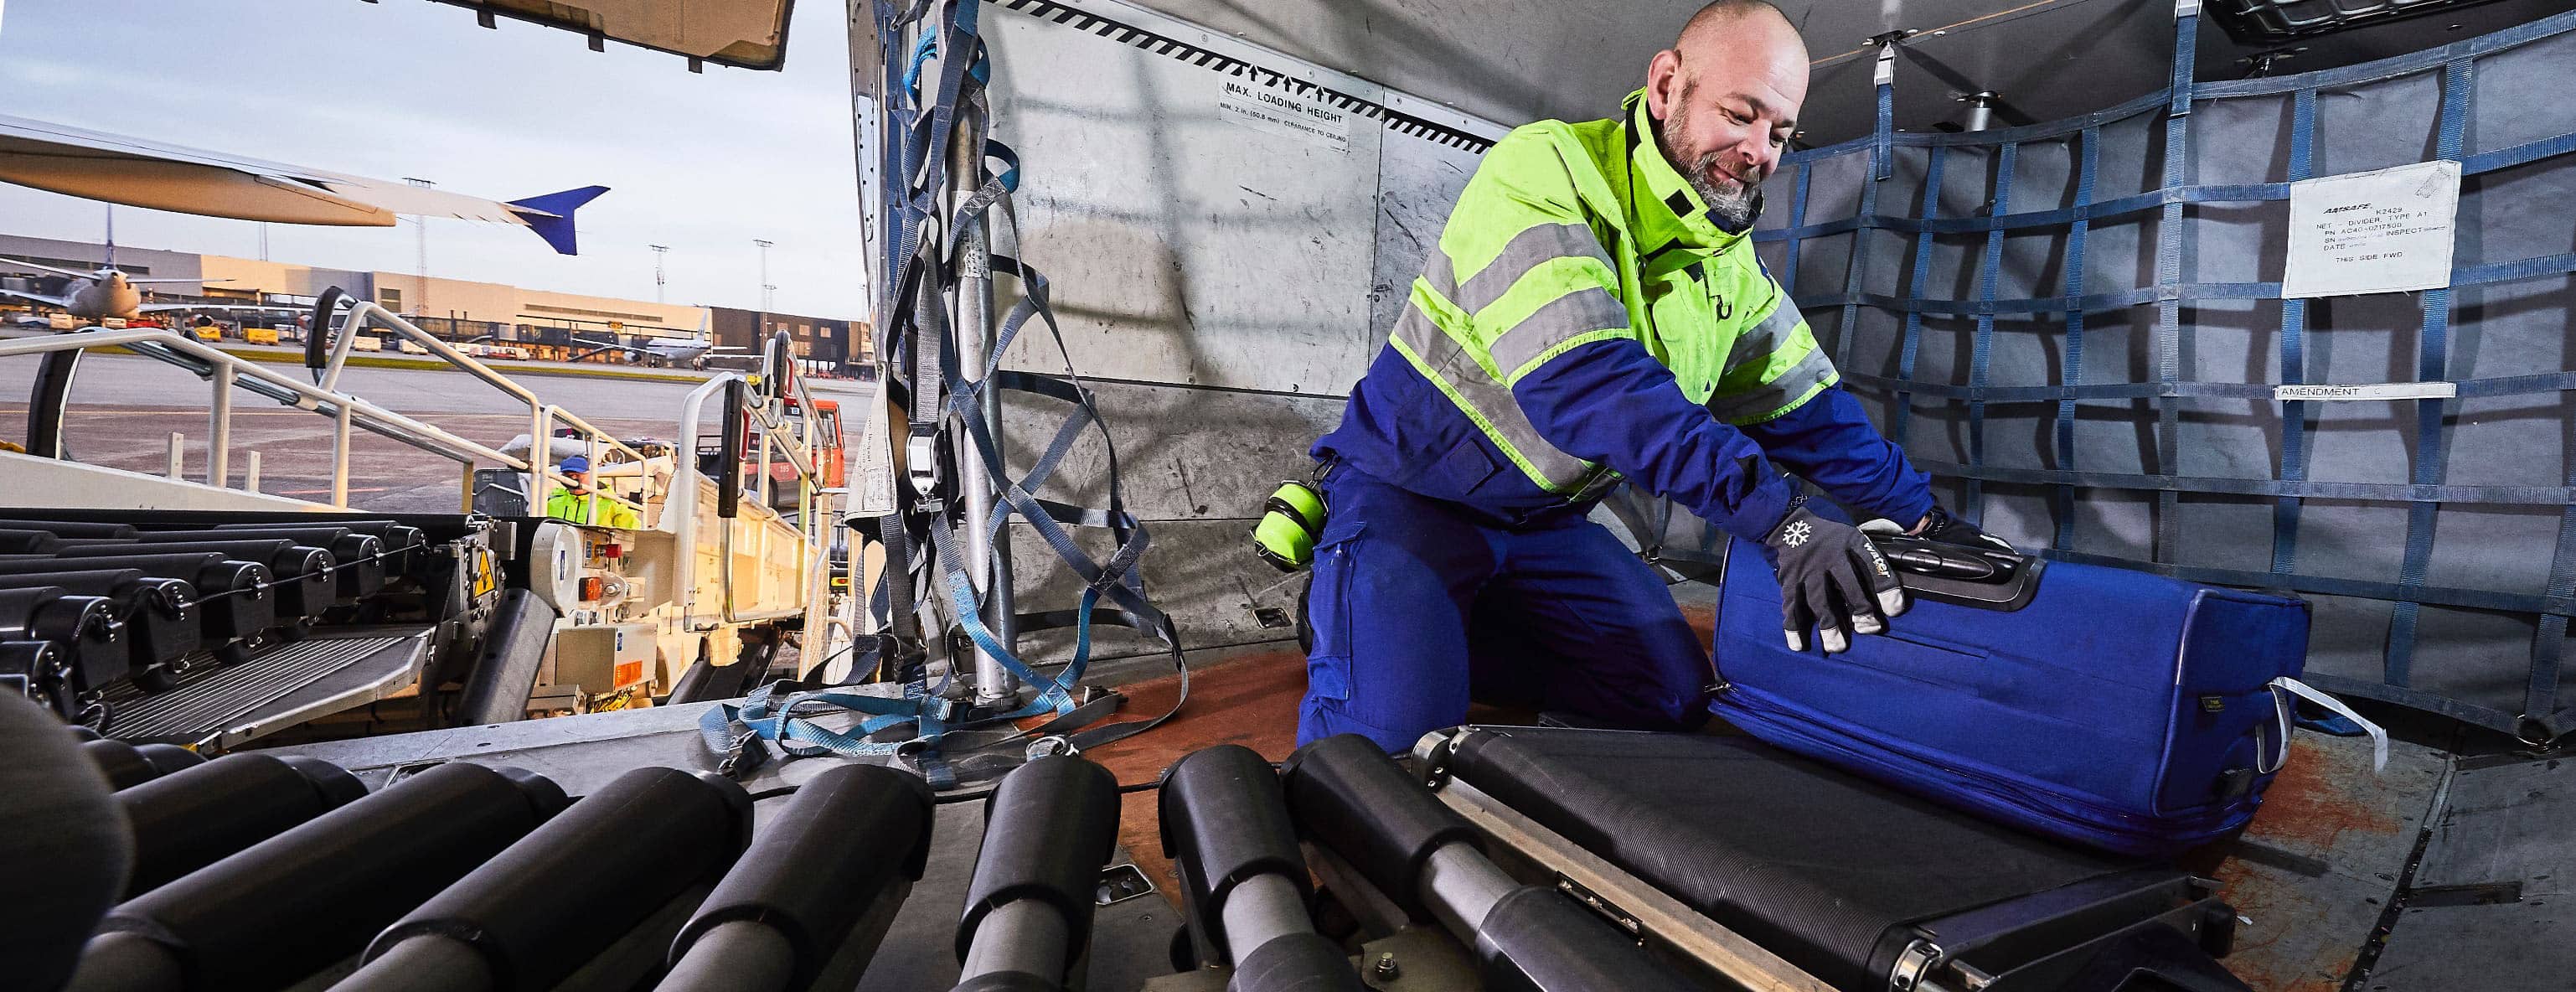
<point x="2126" y="711"/>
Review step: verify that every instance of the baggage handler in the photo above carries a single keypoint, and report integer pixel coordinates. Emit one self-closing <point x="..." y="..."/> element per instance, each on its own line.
<point x="1594" y="314"/>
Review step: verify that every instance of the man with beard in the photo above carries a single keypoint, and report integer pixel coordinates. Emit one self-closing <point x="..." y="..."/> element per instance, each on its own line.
<point x="1594" y="314"/>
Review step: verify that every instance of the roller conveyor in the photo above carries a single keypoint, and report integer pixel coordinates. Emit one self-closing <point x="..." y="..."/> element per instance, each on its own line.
<point x="229" y="625"/>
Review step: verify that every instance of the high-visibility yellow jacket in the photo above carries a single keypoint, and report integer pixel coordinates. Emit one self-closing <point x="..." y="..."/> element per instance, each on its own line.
<point x="584" y="508"/>
<point x="1583" y="322"/>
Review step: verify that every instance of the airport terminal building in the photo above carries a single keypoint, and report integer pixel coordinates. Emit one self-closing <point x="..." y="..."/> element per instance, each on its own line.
<point x="545" y="324"/>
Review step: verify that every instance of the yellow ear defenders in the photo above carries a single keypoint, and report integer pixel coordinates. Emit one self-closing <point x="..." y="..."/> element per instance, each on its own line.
<point x="1290" y="522"/>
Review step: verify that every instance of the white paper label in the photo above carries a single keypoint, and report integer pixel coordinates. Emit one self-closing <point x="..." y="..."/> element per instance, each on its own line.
<point x="2375" y="391"/>
<point x="2372" y="232"/>
<point x="1282" y="112"/>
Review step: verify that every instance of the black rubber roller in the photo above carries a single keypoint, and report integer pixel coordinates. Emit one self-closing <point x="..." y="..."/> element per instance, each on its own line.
<point x="551" y="902"/>
<point x="68" y="849"/>
<point x="293" y="904"/>
<point x="1348" y="796"/>
<point x="1306" y="962"/>
<point x="1535" y="940"/>
<point x="199" y="816"/>
<point x="1224" y="820"/>
<point x="846" y="837"/>
<point x="127" y="765"/>
<point x="1048" y="828"/>
<point x="1009" y="981"/>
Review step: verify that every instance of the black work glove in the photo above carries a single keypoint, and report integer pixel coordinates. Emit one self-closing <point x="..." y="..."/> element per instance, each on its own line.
<point x="1831" y="578"/>
<point x="1940" y="526"/>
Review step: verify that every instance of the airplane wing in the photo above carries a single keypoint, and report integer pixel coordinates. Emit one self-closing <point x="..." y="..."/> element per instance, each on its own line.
<point x="11" y="263"/>
<point x="135" y="172"/>
<point x="51" y="301"/>
<point x="232" y="307"/>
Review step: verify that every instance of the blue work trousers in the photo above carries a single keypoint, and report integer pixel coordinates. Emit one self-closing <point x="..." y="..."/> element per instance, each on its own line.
<point x="1420" y="605"/>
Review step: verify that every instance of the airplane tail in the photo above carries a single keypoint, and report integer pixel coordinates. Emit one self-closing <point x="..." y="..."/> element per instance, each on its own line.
<point x="551" y="215"/>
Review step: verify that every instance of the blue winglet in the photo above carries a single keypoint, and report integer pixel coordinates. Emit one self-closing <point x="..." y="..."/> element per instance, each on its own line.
<point x="552" y="216"/>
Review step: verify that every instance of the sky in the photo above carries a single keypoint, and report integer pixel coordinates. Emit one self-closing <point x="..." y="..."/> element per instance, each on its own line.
<point x="408" y="88"/>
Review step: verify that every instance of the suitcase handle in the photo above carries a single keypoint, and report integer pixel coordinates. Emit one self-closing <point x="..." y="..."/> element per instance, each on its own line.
<point x="2284" y="718"/>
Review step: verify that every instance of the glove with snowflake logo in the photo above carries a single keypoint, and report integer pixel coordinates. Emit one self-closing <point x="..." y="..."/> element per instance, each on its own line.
<point x="1831" y="579"/>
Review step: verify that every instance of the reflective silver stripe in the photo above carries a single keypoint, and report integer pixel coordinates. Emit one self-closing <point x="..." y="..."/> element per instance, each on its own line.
<point x="1764" y="339"/>
<point x="1813" y="369"/>
<point x="1441" y="274"/>
<point x="1525" y="251"/>
<point x="1450" y="365"/>
<point x="1562" y="319"/>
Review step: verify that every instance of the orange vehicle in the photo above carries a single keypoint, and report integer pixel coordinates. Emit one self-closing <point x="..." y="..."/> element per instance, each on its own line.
<point x="827" y="447"/>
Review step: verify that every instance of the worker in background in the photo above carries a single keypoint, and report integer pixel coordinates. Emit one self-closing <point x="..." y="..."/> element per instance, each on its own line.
<point x="577" y="503"/>
<point x="1593" y="314"/>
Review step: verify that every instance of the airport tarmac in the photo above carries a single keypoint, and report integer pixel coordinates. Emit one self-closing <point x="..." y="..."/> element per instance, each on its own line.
<point x="124" y="408"/>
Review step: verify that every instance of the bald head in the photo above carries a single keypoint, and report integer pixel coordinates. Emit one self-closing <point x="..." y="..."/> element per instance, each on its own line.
<point x="1725" y="100"/>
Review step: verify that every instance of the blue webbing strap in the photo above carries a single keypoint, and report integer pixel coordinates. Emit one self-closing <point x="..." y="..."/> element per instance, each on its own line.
<point x="2294" y="356"/>
<point x="1973" y="506"/>
<point x="1883" y="77"/>
<point x="1913" y="342"/>
<point x="1789" y="254"/>
<point x="2432" y="365"/>
<point x="2168" y="336"/>
<point x="1855" y="270"/>
<point x="2088" y="165"/>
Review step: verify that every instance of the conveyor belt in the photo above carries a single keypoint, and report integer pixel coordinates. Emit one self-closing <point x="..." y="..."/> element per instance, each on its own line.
<point x="238" y="702"/>
<point x="1831" y="872"/>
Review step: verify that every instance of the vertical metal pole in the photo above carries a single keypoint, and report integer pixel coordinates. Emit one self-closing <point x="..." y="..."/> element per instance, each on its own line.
<point x="250" y="471"/>
<point x="541" y="451"/>
<point x="988" y="550"/>
<point x="340" y="459"/>
<point x="178" y="456"/>
<point x="219" y="428"/>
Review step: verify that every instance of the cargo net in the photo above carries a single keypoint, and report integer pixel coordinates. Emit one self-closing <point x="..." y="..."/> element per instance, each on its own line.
<point x="2078" y="329"/>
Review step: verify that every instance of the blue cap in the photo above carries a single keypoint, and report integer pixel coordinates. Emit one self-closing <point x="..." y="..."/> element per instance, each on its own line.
<point x="576" y="463"/>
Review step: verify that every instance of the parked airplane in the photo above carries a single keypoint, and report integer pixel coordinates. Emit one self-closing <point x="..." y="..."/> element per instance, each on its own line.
<point x="665" y="351"/>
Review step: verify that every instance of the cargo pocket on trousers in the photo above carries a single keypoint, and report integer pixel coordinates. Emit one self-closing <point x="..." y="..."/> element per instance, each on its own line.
<point x="1328" y="611"/>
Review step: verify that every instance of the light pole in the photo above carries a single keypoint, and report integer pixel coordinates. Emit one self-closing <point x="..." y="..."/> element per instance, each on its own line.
<point x="659" y="251"/>
<point x="765" y="287"/>
<point x="420" y="225"/>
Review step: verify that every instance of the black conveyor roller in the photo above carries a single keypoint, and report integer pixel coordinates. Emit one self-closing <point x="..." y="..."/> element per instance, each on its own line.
<point x="70" y="528"/>
<point x="551" y="902"/>
<point x="271" y="915"/>
<point x="232" y="604"/>
<point x="43" y="669"/>
<point x="360" y="557"/>
<point x="1048" y="828"/>
<point x="852" y="836"/>
<point x="83" y="626"/>
<point x="1349" y="796"/>
<point x="68" y="849"/>
<point x="1243" y="882"/>
<point x="159" y="615"/>
<point x="128" y="765"/>
<point x="400" y="540"/>
<point x="192" y="819"/>
<point x="303" y="574"/>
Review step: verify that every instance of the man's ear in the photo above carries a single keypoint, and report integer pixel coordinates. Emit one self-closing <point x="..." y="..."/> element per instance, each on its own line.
<point x="1663" y="80"/>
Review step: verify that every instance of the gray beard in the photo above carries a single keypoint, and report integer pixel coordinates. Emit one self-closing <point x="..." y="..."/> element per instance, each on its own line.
<point x="1733" y="213"/>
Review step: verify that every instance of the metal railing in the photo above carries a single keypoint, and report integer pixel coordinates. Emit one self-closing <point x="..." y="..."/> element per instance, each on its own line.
<point x="796" y="441"/>
<point x="542" y="416"/>
<point x="225" y="373"/>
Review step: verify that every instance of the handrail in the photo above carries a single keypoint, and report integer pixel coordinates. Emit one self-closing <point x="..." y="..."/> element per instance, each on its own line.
<point x="542" y="415"/>
<point x="681" y="507"/>
<point x="219" y="366"/>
